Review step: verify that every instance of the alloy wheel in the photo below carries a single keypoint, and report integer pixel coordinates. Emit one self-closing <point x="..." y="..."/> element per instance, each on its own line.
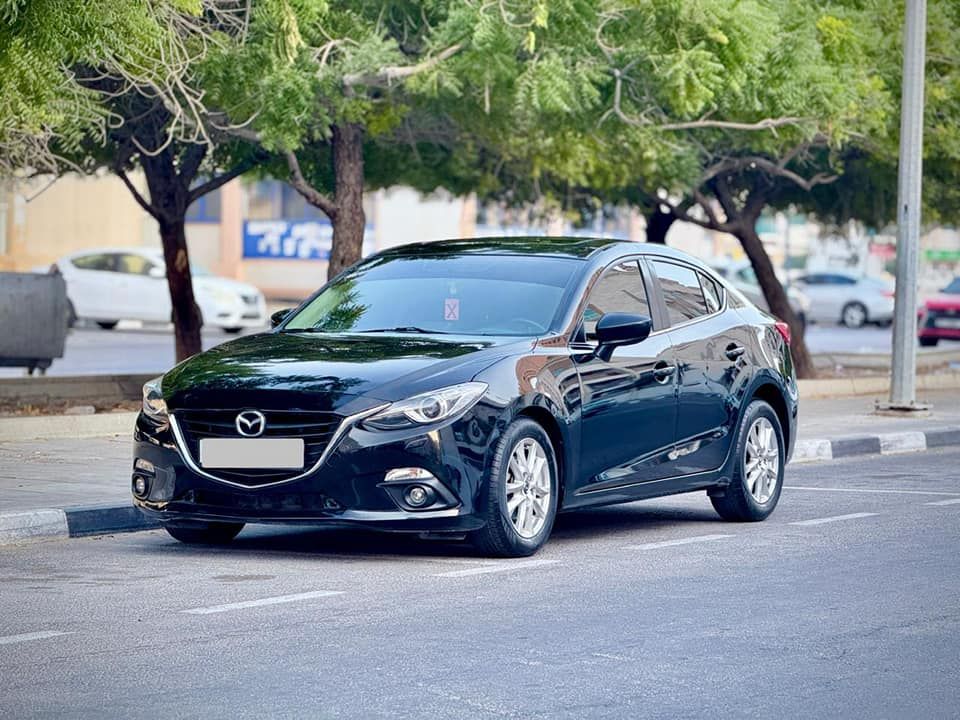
<point x="762" y="460"/>
<point x="528" y="488"/>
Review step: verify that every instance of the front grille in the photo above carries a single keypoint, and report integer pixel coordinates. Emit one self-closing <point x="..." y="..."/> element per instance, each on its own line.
<point x="315" y="428"/>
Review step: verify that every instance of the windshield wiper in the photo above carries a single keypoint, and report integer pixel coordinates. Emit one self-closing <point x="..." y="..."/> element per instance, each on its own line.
<point x="406" y="329"/>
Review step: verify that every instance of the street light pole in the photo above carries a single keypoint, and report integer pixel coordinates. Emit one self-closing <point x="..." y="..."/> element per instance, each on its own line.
<point x="909" y="176"/>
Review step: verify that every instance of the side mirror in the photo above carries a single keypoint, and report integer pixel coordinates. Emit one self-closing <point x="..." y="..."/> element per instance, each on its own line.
<point x="616" y="329"/>
<point x="157" y="272"/>
<point x="279" y="316"/>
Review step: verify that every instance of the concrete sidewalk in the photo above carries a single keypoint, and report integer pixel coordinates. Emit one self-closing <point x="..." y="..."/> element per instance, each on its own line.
<point x="71" y="486"/>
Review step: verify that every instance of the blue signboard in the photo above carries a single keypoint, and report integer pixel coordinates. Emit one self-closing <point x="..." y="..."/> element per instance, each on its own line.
<point x="292" y="240"/>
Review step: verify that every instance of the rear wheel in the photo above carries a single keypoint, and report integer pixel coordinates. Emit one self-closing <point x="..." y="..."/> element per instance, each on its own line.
<point x="107" y="324"/>
<point x="214" y="533"/>
<point x="754" y="489"/>
<point x="521" y="500"/>
<point x="929" y="341"/>
<point x="854" y="315"/>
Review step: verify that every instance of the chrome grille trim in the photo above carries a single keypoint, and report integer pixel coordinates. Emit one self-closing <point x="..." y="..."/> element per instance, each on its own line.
<point x="348" y="422"/>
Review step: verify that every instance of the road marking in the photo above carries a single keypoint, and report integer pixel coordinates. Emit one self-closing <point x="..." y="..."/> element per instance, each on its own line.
<point x="498" y="567"/>
<point x="953" y="501"/>
<point x="25" y="637"/>
<point x="277" y="600"/>
<point x="868" y="490"/>
<point x="680" y="541"/>
<point x="834" y="518"/>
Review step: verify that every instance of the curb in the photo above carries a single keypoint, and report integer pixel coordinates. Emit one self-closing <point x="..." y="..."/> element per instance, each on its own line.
<point x="84" y="520"/>
<point x="878" y="385"/>
<point x="883" y="444"/>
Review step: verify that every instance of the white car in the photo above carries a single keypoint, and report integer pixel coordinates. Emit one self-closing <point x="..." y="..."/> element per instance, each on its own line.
<point x="742" y="277"/>
<point x="109" y="285"/>
<point x="852" y="300"/>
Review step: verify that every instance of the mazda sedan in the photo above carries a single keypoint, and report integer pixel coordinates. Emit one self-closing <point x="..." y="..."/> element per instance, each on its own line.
<point x="477" y="388"/>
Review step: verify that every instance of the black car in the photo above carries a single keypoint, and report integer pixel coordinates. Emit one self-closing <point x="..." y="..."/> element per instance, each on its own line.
<point x="477" y="387"/>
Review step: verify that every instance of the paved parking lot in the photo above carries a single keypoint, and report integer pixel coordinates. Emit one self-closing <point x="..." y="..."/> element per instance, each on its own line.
<point x="844" y="603"/>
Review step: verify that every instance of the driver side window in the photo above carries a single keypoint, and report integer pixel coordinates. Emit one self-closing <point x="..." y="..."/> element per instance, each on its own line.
<point x="620" y="289"/>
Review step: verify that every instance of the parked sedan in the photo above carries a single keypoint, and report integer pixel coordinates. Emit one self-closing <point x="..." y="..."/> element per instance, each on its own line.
<point x="848" y="299"/>
<point x="940" y="317"/>
<point x="477" y="388"/>
<point x="107" y="286"/>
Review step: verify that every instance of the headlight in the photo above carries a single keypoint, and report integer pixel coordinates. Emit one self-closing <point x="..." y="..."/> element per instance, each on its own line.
<point x="428" y="408"/>
<point x="153" y="402"/>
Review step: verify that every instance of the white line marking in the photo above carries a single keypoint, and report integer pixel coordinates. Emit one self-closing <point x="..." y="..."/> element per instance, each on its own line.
<point x="953" y="501"/>
<point x="869" y="490"/>
<point x="834" y="518"/>
<point x="498" y="567"/>
<point x="42" y="635"/>
<point x="680" y="541"/>
<point x="278" y="600"/>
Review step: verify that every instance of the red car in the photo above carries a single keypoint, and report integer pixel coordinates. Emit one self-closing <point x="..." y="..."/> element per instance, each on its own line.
<point x="940" y="317"/>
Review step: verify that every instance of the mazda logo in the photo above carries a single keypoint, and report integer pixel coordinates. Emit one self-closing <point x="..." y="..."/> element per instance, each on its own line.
<point x="251" y="423"/>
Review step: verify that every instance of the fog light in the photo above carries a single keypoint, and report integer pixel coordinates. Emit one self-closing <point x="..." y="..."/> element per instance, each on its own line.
<point x="417" y="495"/>
<point x="140" y="486"/>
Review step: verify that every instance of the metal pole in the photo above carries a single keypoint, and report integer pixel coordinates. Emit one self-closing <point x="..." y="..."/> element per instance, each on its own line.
<point x="910" y="171"/>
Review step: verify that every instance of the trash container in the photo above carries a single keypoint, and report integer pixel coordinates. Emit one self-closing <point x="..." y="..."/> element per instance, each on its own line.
<point x="33" y="319"/>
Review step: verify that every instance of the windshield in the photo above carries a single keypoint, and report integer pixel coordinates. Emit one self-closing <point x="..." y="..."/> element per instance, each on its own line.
<point x="953" y="288"/>
<point x="458" y="294"/>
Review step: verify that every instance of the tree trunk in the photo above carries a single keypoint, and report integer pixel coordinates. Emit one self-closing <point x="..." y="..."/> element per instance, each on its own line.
<point x="349" y="221"/>
<point x="658" y="224"/>
<point x="776" y="296"/>
<point x="186" y="314"/>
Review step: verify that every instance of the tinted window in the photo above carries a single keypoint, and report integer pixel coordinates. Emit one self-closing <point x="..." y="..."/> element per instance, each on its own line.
<point x="681" y="291"/>
<point x="98" y="261"/>
<point x="461" y="294"/>
<point x="711" y="293"/>
<point x="953" y="288"/>
<point x="133" y="264"/>
<point x="840" y="280"/>
<point x="620" y="289"/>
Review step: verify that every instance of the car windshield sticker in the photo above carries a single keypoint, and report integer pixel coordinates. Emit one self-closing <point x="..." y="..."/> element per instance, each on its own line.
<point x="451" y="309"/>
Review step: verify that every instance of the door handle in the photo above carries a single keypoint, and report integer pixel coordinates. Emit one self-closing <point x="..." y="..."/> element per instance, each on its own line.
<point x="663" y="372"/>
<point x="734" y="351"/>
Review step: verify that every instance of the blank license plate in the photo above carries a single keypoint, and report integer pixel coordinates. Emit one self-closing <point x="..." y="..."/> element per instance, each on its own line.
<point x="252" y="453"/>
<point x="947" y="322"/>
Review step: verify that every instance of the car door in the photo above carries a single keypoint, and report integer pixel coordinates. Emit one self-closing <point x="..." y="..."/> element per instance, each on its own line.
<point x="629" y="403"/>
<point x="710" y="343"/>
<point x="823" y="304"/>
<point x="91" y="282"/>
<point x="144" y="294"/>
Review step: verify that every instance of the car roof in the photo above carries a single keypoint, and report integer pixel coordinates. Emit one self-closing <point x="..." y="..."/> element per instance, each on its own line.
<point x="581" y="248"/>
<point x="149" y="251"/>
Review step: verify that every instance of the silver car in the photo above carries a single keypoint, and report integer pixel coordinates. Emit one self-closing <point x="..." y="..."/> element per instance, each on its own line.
<point x="851" y="300"/>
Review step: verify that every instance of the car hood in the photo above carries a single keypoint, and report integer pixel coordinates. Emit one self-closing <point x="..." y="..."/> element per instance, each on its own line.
<point x="209" y="283"/>
<point x="944" y="301"/>
<point x="312" y="371"/>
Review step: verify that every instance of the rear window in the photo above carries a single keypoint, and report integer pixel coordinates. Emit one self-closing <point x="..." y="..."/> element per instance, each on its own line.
<point x="459" y="294"/>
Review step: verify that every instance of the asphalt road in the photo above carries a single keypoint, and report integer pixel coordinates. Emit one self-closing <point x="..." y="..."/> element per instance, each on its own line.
<point x="136" y="350"/>
<point x="843" y="604"/>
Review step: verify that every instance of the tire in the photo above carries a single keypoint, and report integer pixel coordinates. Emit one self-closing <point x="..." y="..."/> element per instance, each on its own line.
<point x="71" y="315"/>
<point x="232" y="330"/>
<point x="929" y="341"/>
<point x="107" y="324"/>
<point x="214" y="533"/>
<point x="736" y="502"/>
<point x="854" y="315"/>
<point x="507" y="532"/>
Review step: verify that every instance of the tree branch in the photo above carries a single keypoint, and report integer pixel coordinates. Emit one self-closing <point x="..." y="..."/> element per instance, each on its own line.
<point x="388" y="75"/>
<point x="222" y="179"/>
<point x="190" y="162"/>
<point x="310" y="193"/>
<point x="136" y="195"/>
<point x="766" y="124"/>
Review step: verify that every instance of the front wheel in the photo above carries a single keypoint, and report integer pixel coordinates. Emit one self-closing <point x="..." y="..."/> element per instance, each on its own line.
<point x="232" y="330"/>
<point x="522" y="490"/>
<point x="757" y="479"/>
<point x="214" y="533"/>
<point x="854" y="315"/>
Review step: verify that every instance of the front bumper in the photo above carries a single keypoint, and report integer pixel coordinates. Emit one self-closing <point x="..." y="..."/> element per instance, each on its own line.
<point x="348" y="488"/>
